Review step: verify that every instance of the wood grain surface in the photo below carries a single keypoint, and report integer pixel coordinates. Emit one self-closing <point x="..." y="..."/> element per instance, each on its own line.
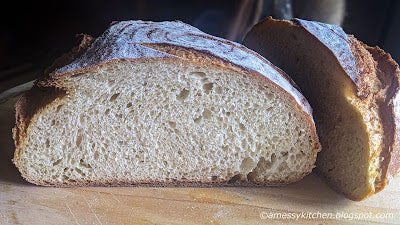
<point x="309" y="199"/>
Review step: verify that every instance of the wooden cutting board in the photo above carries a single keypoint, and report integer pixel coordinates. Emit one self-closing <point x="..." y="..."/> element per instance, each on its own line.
<point x="310" y="200"/>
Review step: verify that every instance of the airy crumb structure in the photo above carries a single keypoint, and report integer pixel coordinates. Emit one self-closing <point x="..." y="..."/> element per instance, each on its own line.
<point x="187" y="118"/>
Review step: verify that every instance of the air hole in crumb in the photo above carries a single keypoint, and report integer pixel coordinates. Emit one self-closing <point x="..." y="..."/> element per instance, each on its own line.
<point x="180" y="152"/>
<point x="114" y="96"/>
<point x="247" y="164"/>
<point x="172" y="124"/>
<point x="226" y="112"/>
<point x="107" y="111"/>
<point x="198" y="119"/>
<point x="198" y="75"/>
<point x="251" y="176"/>
<point x="96" y="155"/>
<point x="244" y="144"/>
<point x="57" y="162"/>
<point x="273" y="158"/>
<point x="81" y="118"/>
<point x="206" y="114"/>
<point x="78" y="140"/>
<point x="129" y="105"/>
<point x="262" y="166"/>
<point x="242" y="126"/>
<point x="208" y="87"/>
<point x="59" y="108"/>
<point x="183" y="95"/>
<point x="214" y="178"/>
<point x="80" y="172"/>
<point x="235" y="179"/>
<point x="53" y="122"/>
<point x="84" y="164"/>
<point x="47" y="143"/>
<point x="218" y="90"/>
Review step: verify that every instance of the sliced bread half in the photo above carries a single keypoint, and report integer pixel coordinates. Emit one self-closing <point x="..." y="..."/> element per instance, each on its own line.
<point x="353" y="89"/>
<point x="160" y="104"/>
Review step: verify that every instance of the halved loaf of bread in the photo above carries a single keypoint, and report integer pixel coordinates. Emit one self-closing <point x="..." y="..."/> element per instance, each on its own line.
<point x="163" y="103"/>
<point x="353" y="90"/>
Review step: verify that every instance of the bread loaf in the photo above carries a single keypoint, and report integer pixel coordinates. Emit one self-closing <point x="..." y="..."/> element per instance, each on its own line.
<point x="163" y="104"/>
<point x="354" y="91"/>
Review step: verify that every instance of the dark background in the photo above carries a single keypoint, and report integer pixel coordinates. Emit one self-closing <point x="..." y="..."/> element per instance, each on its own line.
<point x="34" y="33"/>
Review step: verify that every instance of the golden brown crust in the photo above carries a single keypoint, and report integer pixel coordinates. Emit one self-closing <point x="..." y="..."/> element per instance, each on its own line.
<point x="389" y="75"/>
<point x="49" y="89"/>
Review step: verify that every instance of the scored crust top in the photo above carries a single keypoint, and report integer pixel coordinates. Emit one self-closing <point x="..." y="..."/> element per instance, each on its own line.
<point x="134" y="40"/>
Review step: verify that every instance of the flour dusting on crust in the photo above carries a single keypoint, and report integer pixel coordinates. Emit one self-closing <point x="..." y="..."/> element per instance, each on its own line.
<point x="123" y="40"/>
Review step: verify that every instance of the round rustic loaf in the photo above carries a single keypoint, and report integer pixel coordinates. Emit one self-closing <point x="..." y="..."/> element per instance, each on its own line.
<point x="163" y="103"/>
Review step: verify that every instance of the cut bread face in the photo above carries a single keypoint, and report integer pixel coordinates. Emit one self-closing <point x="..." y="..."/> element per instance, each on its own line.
<point x="186" y="118"/>
<point x="353" y="100"/>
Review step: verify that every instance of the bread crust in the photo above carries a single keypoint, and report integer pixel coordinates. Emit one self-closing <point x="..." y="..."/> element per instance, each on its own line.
<point x="362" y="64"/>
<point x="389" y="73"/>
<point x="140" y="41"/>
